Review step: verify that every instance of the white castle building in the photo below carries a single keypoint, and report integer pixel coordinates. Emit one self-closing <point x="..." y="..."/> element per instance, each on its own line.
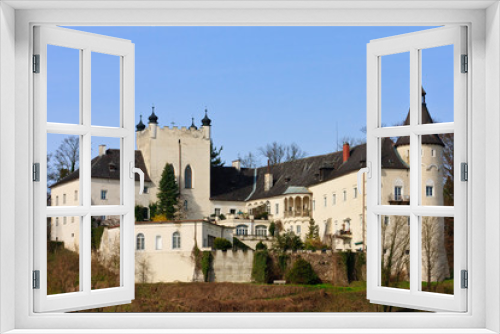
<point x="322" y="188"/>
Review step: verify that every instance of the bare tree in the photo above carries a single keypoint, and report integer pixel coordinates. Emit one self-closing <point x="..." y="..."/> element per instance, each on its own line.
<point x="66" y="158"/>
<point x="294" y="152"/>
<point x="248" y="161"/>
<point x="432" y="246"/>
<point x="142" y="267"/>
<point x="274" y="152"/>
<point x="395" y="244"/>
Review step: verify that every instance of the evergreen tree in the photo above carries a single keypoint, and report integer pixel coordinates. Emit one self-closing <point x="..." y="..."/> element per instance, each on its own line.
<point x="168" y="194"/>
<point x="215" y="160"/>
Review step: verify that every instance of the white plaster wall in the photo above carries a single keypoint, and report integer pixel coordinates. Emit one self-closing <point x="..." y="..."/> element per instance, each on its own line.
<point x="226" y="206"/>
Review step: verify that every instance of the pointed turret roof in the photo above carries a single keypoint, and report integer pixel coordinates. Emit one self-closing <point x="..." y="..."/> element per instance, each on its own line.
<point x="206" y="121"/>
<point x="426" y="119"/>
<point x="153" y="119"/>
<point x="192" y="124"/>
<point x="140" y="126"/>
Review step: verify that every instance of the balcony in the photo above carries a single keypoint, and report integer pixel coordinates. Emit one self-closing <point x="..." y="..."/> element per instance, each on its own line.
<point x="296" y="214"/>
<point x="342" y="234"/>
<point x="399" y="200"/>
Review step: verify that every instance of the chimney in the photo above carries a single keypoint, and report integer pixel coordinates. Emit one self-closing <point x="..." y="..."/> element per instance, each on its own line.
<point x="346" y="152"/>
<point x="268" y="178"/>
<point x="102" y="150"/>
<point x="237" y="164"/>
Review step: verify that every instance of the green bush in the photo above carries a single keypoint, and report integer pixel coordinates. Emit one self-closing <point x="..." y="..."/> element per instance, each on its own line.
<point x="222" y="244"/>
<point x="238" y="245"/>
<point x="261" y="267"/>
<point x="206" y="264"/>
<point x="288" y="241"/>
<point x="302" y="273"/>
<point x="272" y="229"/>
<point x="96" y="236"/>
<point x="260" y="246"/>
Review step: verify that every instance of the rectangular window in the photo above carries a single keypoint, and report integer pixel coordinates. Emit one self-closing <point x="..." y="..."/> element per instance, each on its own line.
<point x="345" y="195"/>
<point x="298" y="229"/>
<point x="429" y="191"/>
<point x="314" y="204"/>
<point x="397" y="193"/>
<point x="324" y="201"/>
<point x="232" y="211"/>
<point x="64" y="198"/>
<point x="277" y="208"/>
<point x="355" y="193"/>
<point x="334" y="199"/>
<point x="146" y="190"/>
<point x="217" y="212"/>
<point x="76" y="195"/>
<point x="104" y="194"/>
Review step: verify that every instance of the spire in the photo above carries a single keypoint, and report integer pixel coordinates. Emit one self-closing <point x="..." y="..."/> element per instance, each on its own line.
<point x="206" y="121"/>
<point x="423" y="95"/>
<point x="153" y="119"/>
<point x="140" y="126"/>
<point x="192" y="124"/>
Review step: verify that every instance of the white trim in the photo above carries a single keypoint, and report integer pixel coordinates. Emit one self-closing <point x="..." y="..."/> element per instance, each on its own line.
<point x="482" y="95"/>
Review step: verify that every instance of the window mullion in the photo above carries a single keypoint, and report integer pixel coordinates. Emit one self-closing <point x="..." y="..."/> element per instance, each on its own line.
<point x="415" y="88"/>
<point x="85" y="173"/>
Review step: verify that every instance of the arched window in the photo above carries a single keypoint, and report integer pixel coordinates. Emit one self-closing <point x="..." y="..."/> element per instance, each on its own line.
<point x="159" y="242"/>
<point x="188" y="177"/>
<point x="261" y="230"/>
<point x="139" y="242"/>
<point x="241" y="230"/>
<point x="176" y="240"/>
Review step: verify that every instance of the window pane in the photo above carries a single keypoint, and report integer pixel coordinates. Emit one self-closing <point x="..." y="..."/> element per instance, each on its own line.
<point x="63" y="157"/>
<point x="106" y="170"/>
<point x="63" y="85"/>
<point x="437" y="169"/>
<point x="63" y="259"/>
<point x="395" y="251"/>
<point x="395" y="173"/>
<point x="105" y="90"/>
<point x="437" y="81"/>
<point x="437" y="254"/>
<point x="105" y="232"/>
<point x="395" y="88"/>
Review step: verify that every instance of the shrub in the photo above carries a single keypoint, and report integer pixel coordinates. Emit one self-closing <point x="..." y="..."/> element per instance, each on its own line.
<point x="139" y="213"/>
<point x="260" y="246"/>
<point x="238" y="245"/>
<point x="222" y="217"/>
<point x="261" y="267"/>
<point x="222" y="244"/>
<point x="288" y="241"/>
<point x="302" y="273"/>
<point x="96" y="236"/>
<point x="272" y="229"/>
<point x="206" y="264"/>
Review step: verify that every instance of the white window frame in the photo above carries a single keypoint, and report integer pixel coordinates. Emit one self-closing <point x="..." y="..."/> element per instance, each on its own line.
<point x="15" y="43"/>
<point x="413" y="43"/>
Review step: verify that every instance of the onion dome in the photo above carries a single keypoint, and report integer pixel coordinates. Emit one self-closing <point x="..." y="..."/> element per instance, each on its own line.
<point x="206" y="121"/>
<point x="192" y="124"/>
<point x="153" y="119"/>
<point x="140" y="126"/>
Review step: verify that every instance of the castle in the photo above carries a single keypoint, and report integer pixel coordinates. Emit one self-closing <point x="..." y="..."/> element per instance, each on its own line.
<point x="241" y="202"/>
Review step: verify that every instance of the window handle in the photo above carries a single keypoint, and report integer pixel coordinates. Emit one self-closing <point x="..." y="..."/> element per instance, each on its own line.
<point x="134" y="170"/>
<point x="367" y="170"/>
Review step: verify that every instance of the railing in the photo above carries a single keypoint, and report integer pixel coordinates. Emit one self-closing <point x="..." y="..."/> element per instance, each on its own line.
<point x="293" y="213"/>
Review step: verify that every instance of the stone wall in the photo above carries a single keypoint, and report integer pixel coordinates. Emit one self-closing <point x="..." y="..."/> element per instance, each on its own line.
<point x="232" y="266"/>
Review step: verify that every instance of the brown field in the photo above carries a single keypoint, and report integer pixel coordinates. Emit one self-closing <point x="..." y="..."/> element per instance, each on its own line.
<point x="247" y="297"/>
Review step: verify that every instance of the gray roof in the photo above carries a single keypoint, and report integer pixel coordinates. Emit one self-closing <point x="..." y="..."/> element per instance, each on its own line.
<point x="229" y="184"/>
<point x="101" y="167"/>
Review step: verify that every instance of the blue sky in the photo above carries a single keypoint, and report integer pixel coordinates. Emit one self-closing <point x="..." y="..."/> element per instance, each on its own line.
<point x="260" y="84"/>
